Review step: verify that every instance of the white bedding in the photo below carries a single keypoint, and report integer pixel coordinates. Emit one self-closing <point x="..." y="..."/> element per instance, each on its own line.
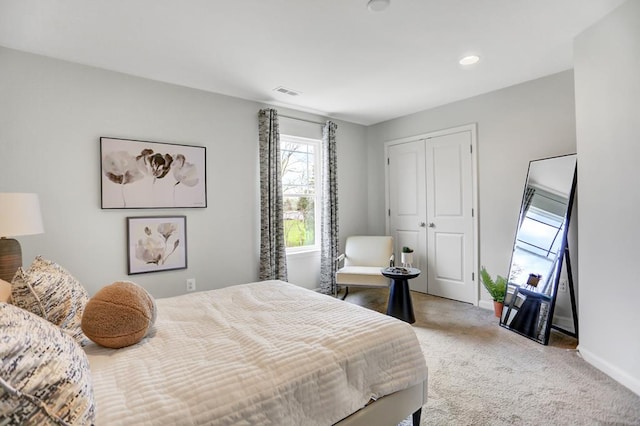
<point x="259" y="353"/>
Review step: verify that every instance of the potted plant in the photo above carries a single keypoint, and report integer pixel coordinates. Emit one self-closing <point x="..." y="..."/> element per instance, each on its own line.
<point x="497" y="289"/>
<point x="406" y="257"/>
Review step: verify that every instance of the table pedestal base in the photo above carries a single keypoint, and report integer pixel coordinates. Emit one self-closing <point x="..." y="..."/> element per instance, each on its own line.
<point x="399" y="304"/>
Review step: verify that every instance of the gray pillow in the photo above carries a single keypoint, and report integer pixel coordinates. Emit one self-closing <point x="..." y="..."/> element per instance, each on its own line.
<point x="44" y="376"/>
<point x="49" y="291"/>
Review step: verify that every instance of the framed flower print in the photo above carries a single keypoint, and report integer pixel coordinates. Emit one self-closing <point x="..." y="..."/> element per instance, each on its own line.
<point x="156" y="243"/>
<point x="140" y="174"/>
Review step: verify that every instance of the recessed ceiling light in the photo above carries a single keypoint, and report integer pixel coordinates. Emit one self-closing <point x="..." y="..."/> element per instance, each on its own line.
<point x="377" y="5"/>
<point x="469" y="60"/>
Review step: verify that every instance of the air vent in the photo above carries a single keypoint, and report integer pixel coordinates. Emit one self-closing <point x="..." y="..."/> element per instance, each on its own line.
<point x="287" y="91"/>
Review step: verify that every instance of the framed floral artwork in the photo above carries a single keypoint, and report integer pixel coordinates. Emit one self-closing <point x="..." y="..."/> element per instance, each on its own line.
<point x="140" y="174"/>
<point x="156" y="243"/>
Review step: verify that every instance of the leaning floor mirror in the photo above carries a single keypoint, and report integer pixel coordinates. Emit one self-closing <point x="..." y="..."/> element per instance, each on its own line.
<point x="540" y="250"/>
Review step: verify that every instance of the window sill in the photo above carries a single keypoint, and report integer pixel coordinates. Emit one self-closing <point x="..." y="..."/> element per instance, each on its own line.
<point x="311" y="252"/>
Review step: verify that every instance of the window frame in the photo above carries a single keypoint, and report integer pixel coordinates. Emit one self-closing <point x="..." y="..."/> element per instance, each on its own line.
<point x="317" y="144"/>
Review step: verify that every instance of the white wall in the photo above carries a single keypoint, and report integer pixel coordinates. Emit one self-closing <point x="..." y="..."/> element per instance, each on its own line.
<point x="52" y="114"/>
<point x="517" y="124"/>
<point x="607" y="60"/>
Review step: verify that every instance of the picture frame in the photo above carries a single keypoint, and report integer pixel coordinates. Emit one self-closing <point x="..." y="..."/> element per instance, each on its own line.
<point x="156" y="243"/>
<point x="150" y="175"/>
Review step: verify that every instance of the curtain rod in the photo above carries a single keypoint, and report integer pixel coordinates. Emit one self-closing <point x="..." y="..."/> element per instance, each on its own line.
<point x="301" y="119"/>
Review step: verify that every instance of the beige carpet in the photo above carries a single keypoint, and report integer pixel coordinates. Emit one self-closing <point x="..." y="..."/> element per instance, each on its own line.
<point x="483" y="374"/>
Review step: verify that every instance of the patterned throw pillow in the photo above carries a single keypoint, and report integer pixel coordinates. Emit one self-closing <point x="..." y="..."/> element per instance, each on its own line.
<point x="49" y="291"/>
<point x="44" y="375"/>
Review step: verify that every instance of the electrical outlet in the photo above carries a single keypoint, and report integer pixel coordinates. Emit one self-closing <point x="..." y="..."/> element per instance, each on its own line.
<point x="563" y="286"/>
<point x="191" y="284"/>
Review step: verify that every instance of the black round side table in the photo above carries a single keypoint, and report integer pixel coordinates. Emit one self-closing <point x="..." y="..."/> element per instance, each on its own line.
<point x="400" y="305"/>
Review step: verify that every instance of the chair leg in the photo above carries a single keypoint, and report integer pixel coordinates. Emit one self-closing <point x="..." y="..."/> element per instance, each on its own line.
<point x="416" y="417"/>
<point x="346" y="292"/>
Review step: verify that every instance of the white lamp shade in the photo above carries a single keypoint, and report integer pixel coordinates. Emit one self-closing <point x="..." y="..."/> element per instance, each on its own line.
<point x="20" y="214"/>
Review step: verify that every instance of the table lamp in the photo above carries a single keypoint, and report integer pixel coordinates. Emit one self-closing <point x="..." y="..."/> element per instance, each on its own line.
<point x="19" y="215"/>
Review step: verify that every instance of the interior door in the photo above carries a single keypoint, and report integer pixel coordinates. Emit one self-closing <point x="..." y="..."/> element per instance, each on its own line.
<point x="450" y="232"/>
<point x="407" y="204"/>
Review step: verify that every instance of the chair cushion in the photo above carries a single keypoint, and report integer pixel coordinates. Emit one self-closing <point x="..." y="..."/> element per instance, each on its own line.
<point x="368" y="251"/>
<point x="365" y="276"/>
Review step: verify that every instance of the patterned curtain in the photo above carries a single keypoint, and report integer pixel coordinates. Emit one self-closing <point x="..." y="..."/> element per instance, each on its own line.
<point x="329" y="221"/>
<point x="273" y="255"/>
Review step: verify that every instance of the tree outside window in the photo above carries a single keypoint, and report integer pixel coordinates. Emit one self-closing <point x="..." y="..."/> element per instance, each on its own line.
<point x="299" y="161"/>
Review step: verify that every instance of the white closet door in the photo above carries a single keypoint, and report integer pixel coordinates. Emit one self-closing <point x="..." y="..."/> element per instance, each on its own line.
<point x="407" y="205"/>
<point x="449" y="217"/>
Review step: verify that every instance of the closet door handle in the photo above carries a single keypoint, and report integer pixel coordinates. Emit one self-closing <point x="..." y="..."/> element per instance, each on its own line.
<point x="432" y="225"/>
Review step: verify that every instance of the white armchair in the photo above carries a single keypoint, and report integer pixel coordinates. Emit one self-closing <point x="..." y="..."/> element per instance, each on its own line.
<point x="363" y="259"/>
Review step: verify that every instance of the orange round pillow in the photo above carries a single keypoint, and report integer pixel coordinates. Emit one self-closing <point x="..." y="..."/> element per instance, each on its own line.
<point x="119" y="315"/>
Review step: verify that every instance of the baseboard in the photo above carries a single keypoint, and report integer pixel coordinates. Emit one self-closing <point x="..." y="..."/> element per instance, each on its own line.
<point x="566" y="323"/>
<point x="610" y="370"/>
<point x="486" y="304"/>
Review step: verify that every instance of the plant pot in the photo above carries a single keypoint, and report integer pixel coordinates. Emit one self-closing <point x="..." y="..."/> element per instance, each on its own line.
<point x="497" y="308"/>
<point x="406" y="259"/>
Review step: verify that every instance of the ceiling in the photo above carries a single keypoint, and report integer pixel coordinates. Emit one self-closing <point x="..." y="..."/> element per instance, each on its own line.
<point x="348" y="63"/>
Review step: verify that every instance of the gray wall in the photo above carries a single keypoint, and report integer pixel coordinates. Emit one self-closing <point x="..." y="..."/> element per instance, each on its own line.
<point x="515" y="125"/>
<point x="52" y="114"/>
<point x="607" y="60"/>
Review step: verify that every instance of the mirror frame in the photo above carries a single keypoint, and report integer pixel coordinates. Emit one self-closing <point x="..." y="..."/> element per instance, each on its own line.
<point x="562" y="257"/>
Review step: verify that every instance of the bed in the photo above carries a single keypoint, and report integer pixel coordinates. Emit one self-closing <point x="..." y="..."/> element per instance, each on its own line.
<point x="262" y="353"/>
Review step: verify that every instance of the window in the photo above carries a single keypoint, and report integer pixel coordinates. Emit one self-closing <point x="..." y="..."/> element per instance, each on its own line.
<point x="541" y="229"/>
<point x="300" y="159"/>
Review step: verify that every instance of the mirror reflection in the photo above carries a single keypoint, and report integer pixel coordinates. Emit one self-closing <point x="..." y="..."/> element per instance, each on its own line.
<point x="539" y="247"/>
